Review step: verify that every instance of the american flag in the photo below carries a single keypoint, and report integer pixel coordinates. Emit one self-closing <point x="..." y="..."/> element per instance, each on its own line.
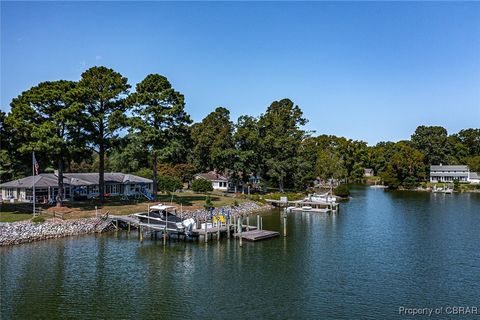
<point x="35" y="164"/>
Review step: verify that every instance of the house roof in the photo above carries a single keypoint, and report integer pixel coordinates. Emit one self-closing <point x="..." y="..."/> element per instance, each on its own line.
<point x="212" y="176"/>
<point x="45" y="180"/>
<point x="475" y="175"/>
<point x="448" y="168"/>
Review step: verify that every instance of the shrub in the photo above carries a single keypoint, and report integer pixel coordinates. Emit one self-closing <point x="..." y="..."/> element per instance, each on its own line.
<point x="168" y="184"/>
<point x="342" y="191"/>
<point x="201" y="185"/>
<point x="38" y="219"/>
<point x="235" y="203"/>
<point x="208" y="203"/>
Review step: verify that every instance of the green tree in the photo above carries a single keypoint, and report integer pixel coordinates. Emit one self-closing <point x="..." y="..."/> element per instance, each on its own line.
<point x="329" y="164"/>
<point x="280" y="135"/>
<point x="474" y="163"/>
<point x="406" y="167"/>
<point x="49" y="114"/>
<point x="169" y="184"/>
<point x="160" y="121"/>
<point x="201" y="185"/>
<point x="470" y="138"/>
<point x="213" y="145"/>
<point x="247" y="146"/>
<point x="101" y="95"/>
<point x="433" y="143"/>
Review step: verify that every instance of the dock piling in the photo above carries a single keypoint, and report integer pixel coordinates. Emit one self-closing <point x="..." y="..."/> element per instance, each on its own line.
<point x="285" y="223"/>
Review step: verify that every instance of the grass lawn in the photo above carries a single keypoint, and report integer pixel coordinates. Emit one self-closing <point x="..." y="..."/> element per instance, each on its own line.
<point x="83" y="209"/>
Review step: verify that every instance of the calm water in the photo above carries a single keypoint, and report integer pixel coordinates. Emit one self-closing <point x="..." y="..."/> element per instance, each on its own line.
<point x="382" y="251"/>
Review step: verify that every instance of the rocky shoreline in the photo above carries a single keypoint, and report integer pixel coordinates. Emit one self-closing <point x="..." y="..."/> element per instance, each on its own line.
<point x="12" y="233"/>
<point x="28" y="231"/>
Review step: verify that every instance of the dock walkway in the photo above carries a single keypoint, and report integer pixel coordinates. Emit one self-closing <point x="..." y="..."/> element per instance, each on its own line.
<point x="256" y="235"/>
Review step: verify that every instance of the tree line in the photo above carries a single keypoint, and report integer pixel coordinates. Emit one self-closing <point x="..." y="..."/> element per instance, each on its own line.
<point x="97" y="124"/>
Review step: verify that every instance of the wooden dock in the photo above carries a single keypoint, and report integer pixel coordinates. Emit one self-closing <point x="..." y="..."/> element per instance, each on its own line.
<point x="256" y="235"/>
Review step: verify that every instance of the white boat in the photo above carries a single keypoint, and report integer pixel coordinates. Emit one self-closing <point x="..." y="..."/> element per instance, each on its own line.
<point x="165" y="216"/>
<point x="321" y="198"/>
<point x="378" y="186"/>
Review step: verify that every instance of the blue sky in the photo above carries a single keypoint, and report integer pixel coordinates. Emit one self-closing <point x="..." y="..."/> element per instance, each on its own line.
<point x="364" y="70"/>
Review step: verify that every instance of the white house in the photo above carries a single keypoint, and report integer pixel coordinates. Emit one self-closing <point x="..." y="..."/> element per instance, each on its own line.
<point x="461" y="173"/>
<point x="219" y="182"/>
<point x="76" y="186"/>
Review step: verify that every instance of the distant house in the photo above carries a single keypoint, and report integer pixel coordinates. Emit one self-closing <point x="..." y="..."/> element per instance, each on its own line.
<point x="474" y="177"/>
<point x="368" y="172"/>
<point x="76" y="186"/>
<point x="219" y="182"/>
<point x="443" y="173"/>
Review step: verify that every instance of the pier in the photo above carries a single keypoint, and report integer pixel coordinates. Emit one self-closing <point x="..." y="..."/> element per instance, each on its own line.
<point x="204" y="229"/>
<point x="304" y="205"/>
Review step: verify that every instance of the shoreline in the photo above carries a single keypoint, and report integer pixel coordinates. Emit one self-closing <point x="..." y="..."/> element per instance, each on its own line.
<point x="14" y="233"/>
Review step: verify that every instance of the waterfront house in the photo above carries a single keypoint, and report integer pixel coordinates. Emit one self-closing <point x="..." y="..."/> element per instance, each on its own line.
<point x="368" y="172"/>
<point x="219" y="182"/>
<point x="77" y="186"/>
<point x="461" y="173"/>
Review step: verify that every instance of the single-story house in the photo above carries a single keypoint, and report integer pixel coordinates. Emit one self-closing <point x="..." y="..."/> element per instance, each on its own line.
<point x="447" y="173"/>
<point x="368" y="172"/>
<point x="219" y="182"/>
<point x="76" y="186"/>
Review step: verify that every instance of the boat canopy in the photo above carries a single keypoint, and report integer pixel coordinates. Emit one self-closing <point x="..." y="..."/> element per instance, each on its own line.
<point x="161" y="207"/>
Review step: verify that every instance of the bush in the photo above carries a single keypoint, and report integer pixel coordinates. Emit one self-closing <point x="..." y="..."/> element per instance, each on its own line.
<point x="342" y="191"/>
<point x="38" y="219"/>
<point x="208" y="203"/>
<point x="201" y="185"/>
<point x="235" y="203"/>
<point x="168" y="184"/>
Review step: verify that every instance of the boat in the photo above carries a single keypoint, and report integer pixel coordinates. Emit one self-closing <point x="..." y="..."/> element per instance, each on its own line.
<point x="444" y="190"/>
<point x="164" y="216"/>
<point x="378" y="186"/>
<point x="321" y="198"/>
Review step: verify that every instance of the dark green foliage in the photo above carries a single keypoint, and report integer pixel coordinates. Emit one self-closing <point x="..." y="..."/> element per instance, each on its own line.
<point x="342" y="190"/>
<point x="280" y="136"/>
<point x="100" y="94"/>
<point x="46" y="119"/>
<point x="38" y="219"/>
<point x="160" y="123"/>
<point x="168" y="184"/>
<point x="201" y="185"/>
<point x="213" y="146"/>
<point x="405" y="167"/>
<point x="433" y="143"/>
<point x="208" y="203"/>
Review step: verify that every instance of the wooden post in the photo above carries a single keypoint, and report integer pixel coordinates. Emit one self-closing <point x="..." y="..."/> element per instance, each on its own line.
<point x="240" y="226"/>
<point x="261" y="223"/>
<point x="206" y="234"/>
<point x="228" y="226"/>
<point x="248" y="222"/>
<point x="128" y="227"/>
<point x="141" y="234"/>
<point x="165" y="235"/>
<point x="285" y="224"/>
<point x="258" y="222"/>
<point x="218" y="229"/>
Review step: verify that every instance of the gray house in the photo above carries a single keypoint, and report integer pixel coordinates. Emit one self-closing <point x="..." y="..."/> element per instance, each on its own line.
<point x="76" y="186"/>
<point x="443" y="173"/>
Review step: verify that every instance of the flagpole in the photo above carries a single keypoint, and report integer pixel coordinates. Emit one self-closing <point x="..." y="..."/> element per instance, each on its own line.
<point x="33" y="171"/>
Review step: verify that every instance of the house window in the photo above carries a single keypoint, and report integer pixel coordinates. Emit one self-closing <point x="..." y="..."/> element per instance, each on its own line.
<point x="9" y="192"/>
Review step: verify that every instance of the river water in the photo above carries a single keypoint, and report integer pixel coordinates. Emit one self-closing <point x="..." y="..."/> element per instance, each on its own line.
<point x="382" y="252"/>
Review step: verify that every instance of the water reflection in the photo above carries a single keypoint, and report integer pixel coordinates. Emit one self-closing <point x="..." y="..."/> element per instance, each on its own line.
<point x="382" y="250"/>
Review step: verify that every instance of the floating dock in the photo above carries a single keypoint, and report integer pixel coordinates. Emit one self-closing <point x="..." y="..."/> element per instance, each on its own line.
<point x="256" y="235"/>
